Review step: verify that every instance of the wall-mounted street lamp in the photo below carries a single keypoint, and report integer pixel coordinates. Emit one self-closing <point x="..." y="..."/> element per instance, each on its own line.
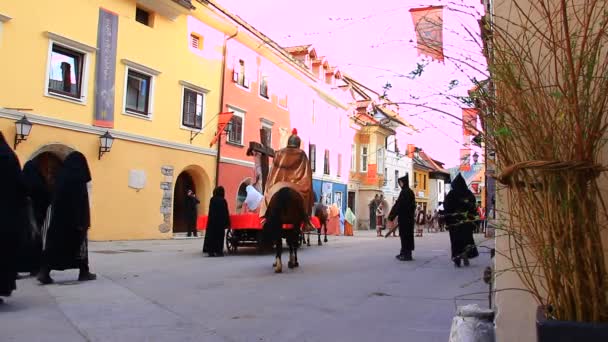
<point x="23" y="127"/>
<point x="475" y="157"/>
<point x="105" y="143"/>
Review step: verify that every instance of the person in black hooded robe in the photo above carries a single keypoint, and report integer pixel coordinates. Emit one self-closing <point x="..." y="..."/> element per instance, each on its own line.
<point x="12" y="204"/>
<point x="404" y="209"/>
<point x="30" y="251"/>
<point x="218" y="220"/>
<point x="460" y="209"/>
<point x="67" y="223"/>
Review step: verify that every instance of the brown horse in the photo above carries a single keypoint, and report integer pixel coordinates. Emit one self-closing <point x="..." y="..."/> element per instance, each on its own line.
<point x="286" y="207"/>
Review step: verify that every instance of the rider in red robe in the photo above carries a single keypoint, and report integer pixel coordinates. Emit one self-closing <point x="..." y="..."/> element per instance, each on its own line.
<point x="290" y="168"/>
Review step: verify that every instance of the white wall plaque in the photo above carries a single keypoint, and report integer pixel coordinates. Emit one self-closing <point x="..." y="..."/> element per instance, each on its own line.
<point x="137" y="179"/>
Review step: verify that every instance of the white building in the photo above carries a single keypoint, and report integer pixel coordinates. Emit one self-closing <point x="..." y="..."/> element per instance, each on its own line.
<point x="397" y="165"/>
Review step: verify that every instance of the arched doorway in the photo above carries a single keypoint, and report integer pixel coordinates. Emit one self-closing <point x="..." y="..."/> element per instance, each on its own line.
<point x="49" y="165"/>
<point x="183" y="183"/>
<point x="50" y="159"/>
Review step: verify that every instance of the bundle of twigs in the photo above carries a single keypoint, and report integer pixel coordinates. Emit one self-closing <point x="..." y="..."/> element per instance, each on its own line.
<point x="546" y="118"/>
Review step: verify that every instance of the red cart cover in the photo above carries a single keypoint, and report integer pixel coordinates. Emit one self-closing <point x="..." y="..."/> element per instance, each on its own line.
<point x="247" y="221"/>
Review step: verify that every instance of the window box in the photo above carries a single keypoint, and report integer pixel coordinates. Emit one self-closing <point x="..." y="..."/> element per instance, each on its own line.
<point x="192" y="110"/>
<point x="137" y="97"/>
<point x="326" y="163"/>
<point x="139" y="90"/>
<point x="67" y="69"/>
<point x="364" y="155"/>
<point x="312" y="156"/>
<point x="236" y="133"/>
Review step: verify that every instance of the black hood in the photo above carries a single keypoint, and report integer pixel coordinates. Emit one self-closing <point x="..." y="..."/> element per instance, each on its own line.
<point x="459" y="184"/>
<point x="3" y="142"/>
<point x="76" y="166"/>
<point x="405" y="180"/>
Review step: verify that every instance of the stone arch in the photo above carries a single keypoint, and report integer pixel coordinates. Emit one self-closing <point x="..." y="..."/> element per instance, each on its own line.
<point x="50" y="158"/>
<point x="241" y="193"/>
<point x="58" y="149"/>
<point x="192" y="177"/>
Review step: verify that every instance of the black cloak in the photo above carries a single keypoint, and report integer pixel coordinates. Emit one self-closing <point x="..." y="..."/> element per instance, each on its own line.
<point x="404" y="209"/>
<point x="37" y="190"/>
<point x="66" y="238"/>
<point x="218" y="220"/>
<point x="12" y="204"/>
<point x="30" y="248"/>
<point x="461" y="210"/>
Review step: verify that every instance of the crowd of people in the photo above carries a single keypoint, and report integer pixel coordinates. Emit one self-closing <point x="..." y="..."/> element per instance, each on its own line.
<point x="44" y="227"/>
<point x="459" y="214"/>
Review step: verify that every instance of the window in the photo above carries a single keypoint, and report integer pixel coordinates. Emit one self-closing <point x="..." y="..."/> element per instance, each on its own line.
<point x="385" y="177"/>
<point x="142" y="16"/>
<point x="268" y="130"/>
<point x="353" y="157"/>
<point x="364" y="158"/>
<point x="312" y="156"/>
<point x="380" y="160"/>
<point x="235" y="135"/>
<point x="424" y="183"/>
<point x="339" y="164"/>
<point x="326" y="163"/>
<point x="239" y="76"/>
<point x="66" y="72"/>
<point x="195" y="42"/>
<point x="396" y="179"/>
<point x="138" y="93"/>
<point x="264" y="86"/>
<point x="192" y="114"/>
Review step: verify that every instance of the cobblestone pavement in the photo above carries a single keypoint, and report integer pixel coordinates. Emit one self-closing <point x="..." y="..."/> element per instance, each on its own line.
<point x="351" y="289"/>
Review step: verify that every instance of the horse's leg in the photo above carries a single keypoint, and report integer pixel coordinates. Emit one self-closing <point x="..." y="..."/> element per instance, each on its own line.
<point x="319" y="236"/>
<point x="325" y="225"/>
<point x="278" y="268"/>
<point x="295" y="252"/>
<point x="292" y="246"/>
<point x="308" y="241"/>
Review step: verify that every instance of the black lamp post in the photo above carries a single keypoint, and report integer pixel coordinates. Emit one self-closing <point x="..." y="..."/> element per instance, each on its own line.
<point x="23" y="127"/>
<point x="105" y="143"/>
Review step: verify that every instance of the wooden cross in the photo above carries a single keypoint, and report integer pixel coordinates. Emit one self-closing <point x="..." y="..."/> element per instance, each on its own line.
<point x="265" y="150"/>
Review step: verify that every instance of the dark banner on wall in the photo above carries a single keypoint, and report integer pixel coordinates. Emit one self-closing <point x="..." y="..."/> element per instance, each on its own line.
<point x="105" y="72"/>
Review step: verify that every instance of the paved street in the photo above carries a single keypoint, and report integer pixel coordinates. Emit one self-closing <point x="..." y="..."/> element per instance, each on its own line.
<point x="352" y="289"/>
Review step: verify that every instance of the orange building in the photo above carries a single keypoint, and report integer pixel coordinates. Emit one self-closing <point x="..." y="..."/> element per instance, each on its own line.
<point x="257" y="104"/>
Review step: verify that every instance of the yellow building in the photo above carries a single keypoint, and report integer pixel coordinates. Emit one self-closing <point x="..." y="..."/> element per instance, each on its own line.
<point x="421" y="182"/>
<point x="166" y="59"/>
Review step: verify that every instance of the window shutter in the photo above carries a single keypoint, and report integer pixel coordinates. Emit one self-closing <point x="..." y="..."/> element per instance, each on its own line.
<point x="194" y="41"/>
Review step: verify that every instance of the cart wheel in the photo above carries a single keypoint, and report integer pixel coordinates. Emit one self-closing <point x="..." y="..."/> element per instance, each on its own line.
<point x="230" y="241"/>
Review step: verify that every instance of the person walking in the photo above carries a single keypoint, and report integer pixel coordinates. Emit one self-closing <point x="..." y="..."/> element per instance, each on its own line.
<point x="12" y="202"/>
<point x="38" y="200"/>
<point x="64" y="234"/>
<point x="404" y="211"/>
<point x="191" y="212"/>
<point x="219" y="219"/>
<point x="460" y="215"/>
<point x="373" y="206"/>
<point x="420" y="220"/>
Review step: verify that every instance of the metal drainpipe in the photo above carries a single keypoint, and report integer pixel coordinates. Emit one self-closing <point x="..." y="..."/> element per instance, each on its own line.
<point x="222" y="85"/>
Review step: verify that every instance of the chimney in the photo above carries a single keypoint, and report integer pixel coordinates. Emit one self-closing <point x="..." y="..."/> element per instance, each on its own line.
<point x="410" y="150"/>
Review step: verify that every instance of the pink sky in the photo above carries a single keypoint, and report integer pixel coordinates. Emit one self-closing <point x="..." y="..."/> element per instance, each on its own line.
<point x="370" y="41"/>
